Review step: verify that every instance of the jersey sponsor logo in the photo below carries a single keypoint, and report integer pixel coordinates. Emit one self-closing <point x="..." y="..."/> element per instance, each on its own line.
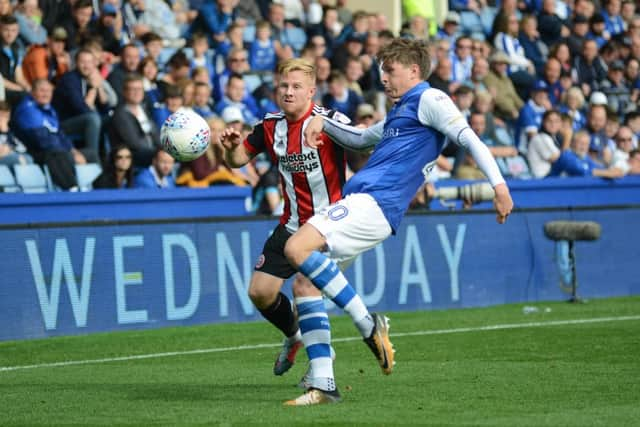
<point x="299" y="162"/>
<point x="391" y="133"/>
<point x="260" y="261"/>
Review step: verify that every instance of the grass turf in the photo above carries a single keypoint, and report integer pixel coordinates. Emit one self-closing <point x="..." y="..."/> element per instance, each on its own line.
<point x="576" y="374"/>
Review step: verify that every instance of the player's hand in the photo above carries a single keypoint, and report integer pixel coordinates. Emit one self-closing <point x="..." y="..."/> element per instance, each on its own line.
<point x="313" y="132"/>
<point x="230" y="139"/>
<point x="502" y="203"/>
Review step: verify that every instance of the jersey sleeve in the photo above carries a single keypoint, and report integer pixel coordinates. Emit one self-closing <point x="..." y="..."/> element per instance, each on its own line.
<point x="254" y="143"/>
<point x="351" y="137"/>
<point x="437" y="110"/>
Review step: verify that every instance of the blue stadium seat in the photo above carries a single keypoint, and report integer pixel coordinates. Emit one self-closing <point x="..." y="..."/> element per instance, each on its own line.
<point x="30" y="178"/>
<point x="7" y="181"/>
<point x="86" y="174"/>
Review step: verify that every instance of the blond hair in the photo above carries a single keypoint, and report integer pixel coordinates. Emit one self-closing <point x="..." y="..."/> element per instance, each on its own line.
<point x="297" y="64"/>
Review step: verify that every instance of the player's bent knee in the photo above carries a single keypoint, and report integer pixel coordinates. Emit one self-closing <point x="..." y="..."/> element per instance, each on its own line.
<point x="262" y="294"/>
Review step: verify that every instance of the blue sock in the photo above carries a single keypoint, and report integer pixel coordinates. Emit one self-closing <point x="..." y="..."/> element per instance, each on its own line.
<point x="326" y="276"/>
<point x="316" y="336"/>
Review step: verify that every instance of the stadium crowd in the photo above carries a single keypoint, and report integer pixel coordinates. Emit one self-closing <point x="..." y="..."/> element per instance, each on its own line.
<point x="551" y="86"/>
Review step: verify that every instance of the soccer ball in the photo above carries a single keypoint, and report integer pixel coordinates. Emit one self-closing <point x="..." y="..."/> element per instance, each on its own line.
<point x="185" y="135"/>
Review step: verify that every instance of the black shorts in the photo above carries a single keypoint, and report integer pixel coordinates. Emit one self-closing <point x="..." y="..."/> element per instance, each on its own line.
<point x="272" y="260"/>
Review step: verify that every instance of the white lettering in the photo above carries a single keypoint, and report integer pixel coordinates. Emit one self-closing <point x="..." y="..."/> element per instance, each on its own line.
<point x="227" y="261"/>
<point x="453" y="256"/>
<point x="182" y="241"/>
<point x="123" y="278"/>
<point x="62" y="266"/>
<point x="419" y="277"/>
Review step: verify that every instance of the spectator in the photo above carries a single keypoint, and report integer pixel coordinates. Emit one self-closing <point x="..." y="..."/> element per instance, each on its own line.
<point x="329" y="29"/>
<point x="201" y="57"/>
<point x="319" y="46"/>
<point x="12" y="150"/>
<point x="234" y="40"/>
<point x="117" y="171"/>
<point x="179" y="68"/>
<point x="11" y="56"/>
<point x="550" y="25"/>
<point x="614" y="24"/>
<point x="551" y="77"/>
<point x="530" y="118"/>
<point x="353" y="73"/>
<point x="158" y="174"/>
<point x="262" y="52"/>
<point x="129" y="63"/>
<point x="534" y="48"/>
<point x="80" y="98"/>
<point x="450" y="28"/>
<point x="109" y="28"/>
<point x="214" y="18"/>
<point x="148" y="69"/>
<point x="578" y="35"/>
<point x="561" y="52"/>
<point x="572" y="104"/>
<point x="29" y="15"/>
<point x="201" y="97"/>
<point x="172" y="102"/>
<point x="441" y="77"/>
<point x="80" y="26"/>
<point x="143" y="16"/>
<point x="340" y="97"/>
<point x="598" y="30"/>
<point x="479" y="72"/>
<point x="237" y="63"/>
<point x="36" y="123"/>
<point x="634" y="162"/>
<point x="210" y="168"/>
<point x="48" y="61"/>
<point x="577" y="162"/>
<point x="132" y="126"/>
<point x="352" y="48"/>
<point x="323" y="70"/>
<point x="521" y="69"/>
<point x="507" y="101"/>
<point x="461" y="60"/>
<point x="153" y="45"/>
<point x="55" y="13"/>
<point x="235" y="96"/>
<point x="617" y="92"/>
<point x="544" y="147"/>
<point x="599" y="147"/>
<point x="624" y="146"/>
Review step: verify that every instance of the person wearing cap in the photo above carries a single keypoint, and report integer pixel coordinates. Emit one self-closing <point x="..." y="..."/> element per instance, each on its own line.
<point x="579" y="31"/>
<point x="29" y="19"/>
<point x="48" y="61"/>
<point x="507" y="101"/>
<point x="530" y="117"/>
<point x="450" y="28"/>
<point x="616" y="90"/>
<point x="109" y="28"/>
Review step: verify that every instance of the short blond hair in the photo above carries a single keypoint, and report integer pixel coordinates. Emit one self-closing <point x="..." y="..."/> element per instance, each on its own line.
<point x="297" y="64"/>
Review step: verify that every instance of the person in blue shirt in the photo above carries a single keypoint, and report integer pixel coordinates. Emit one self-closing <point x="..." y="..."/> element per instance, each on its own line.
<point x="262" y="52"/>
<point x="159" y="174"/>
<point x="407" y="144"/>
<point x="577" y="162"/>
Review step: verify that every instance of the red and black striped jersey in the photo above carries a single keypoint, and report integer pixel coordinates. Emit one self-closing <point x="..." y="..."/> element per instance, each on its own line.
<point x="311" y="178"/>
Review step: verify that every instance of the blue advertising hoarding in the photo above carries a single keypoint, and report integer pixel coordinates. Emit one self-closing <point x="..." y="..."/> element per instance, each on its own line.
<point x="100" y="277"/>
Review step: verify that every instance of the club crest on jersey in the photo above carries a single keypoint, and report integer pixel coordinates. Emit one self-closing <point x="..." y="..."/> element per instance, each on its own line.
<point x="260" y="261"/>
<point x="299" y="162"/>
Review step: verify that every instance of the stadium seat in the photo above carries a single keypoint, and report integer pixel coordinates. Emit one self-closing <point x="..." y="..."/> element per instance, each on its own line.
<point x="86" y="174"/>
<point x="30" y="178"/>
<point x="7" y="180"/>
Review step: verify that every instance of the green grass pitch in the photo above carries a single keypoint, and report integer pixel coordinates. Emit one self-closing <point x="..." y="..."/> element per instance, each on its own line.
<point x="490" y="366"/>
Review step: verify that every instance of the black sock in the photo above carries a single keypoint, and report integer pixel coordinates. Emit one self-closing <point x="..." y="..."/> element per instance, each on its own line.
<point x="281" y="315"/>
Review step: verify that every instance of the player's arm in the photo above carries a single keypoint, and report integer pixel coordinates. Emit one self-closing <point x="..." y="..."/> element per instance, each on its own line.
<point x="347" y="136"/>
<point x="438" y="111"/>
<point x="235" y="153"/>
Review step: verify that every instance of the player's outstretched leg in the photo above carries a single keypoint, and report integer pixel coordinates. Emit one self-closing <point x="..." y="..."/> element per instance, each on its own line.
<point x="326" y="276"/>
<point x="380" y="344"/>
<point x="316" y="336"/>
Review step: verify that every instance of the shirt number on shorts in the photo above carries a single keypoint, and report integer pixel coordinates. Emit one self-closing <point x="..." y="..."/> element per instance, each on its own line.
<point x="336" y="213"/>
